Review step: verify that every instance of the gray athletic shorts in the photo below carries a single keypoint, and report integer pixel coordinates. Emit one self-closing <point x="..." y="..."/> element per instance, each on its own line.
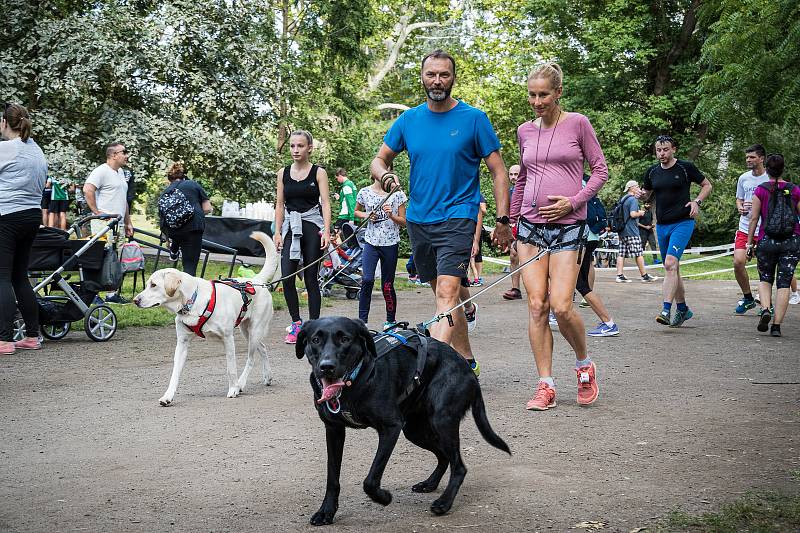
<point x="442" y="249"/>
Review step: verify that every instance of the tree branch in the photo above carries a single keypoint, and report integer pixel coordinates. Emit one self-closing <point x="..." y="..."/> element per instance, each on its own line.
<point x="394" y="50"/>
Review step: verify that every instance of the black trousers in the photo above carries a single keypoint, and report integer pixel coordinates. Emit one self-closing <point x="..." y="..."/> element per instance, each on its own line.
<point x="309" y="248"/>
<point x="17" y="231"/>
<point x="189" y="243"/>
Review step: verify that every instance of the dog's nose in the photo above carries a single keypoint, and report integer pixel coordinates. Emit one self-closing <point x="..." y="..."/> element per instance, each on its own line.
<point x="327" y="366"/>
<point x="136" y="301"/>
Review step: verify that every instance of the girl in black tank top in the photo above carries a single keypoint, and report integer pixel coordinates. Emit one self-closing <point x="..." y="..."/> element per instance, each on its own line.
<point x="300" y="195"/>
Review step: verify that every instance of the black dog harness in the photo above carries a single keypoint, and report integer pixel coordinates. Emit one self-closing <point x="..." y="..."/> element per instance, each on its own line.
<point x="384" y="343"/>
<point x="245" y="288"/>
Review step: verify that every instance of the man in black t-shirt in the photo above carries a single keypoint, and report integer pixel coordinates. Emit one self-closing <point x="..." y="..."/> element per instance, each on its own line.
<point x="670" y="180"/>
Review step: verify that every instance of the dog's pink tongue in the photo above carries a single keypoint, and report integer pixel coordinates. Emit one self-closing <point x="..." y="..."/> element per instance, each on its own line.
<point x="330" y="390"/>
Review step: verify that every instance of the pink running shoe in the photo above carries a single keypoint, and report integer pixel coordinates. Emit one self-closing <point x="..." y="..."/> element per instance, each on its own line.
<point x="6" y="348"/>
<point x="544" y="399"/>
<point x="294" y="329"/>
<point x="28" y="343"/>
<point x="588" y="391"/>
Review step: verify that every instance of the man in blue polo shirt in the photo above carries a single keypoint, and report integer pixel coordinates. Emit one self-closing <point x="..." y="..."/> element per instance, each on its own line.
<point x="446" y="140"/>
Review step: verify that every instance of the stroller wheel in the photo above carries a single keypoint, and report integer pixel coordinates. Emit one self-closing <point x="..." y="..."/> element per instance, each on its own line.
<point x="352" y="294"/>
<point x="56" y="331"/>
<point x="100" y="323"/>
<point x="326" y="292"/>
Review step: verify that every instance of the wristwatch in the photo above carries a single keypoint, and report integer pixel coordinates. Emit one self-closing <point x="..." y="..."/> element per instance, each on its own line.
<point x="503" y="220"/>
<point x="698" y="201"/>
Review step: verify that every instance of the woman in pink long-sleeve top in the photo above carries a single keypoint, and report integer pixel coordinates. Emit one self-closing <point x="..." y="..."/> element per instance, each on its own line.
<point x="549" y="205"/>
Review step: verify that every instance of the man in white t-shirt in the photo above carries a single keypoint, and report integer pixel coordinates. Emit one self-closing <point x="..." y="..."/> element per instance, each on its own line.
<point x="754" y="159"/>
<point x="106" y="189"/>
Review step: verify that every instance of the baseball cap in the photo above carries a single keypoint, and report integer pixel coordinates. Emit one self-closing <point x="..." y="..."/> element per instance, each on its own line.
<point x="631" y="183"/>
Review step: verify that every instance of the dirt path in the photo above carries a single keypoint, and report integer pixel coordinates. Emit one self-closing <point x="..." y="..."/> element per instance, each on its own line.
<point x="85" y="445"/>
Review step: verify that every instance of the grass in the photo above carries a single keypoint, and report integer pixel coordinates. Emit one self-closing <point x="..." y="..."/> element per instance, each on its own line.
<point x="755" y="513"/>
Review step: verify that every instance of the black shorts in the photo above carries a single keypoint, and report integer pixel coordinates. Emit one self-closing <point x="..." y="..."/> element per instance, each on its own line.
<point x="442" y="249"/>
<point x="59" y="206"/>
<point x="46" y="199"/>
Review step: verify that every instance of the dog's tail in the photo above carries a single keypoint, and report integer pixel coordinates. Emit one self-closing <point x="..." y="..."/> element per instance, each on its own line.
<point x="479" y="414"/>
<point x="267" y="272"/>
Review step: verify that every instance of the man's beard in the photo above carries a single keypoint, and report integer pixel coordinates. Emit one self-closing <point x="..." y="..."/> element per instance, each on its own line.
<point x="439" y="95"/>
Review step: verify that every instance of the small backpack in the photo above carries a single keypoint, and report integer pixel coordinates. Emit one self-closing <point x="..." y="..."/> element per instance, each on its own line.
<point x="596" y="215"/>
<point x="175" y="209"/>
<point x="618" y="219"/>
<point x="781" y="216"/>
<point x="131" y="257"/>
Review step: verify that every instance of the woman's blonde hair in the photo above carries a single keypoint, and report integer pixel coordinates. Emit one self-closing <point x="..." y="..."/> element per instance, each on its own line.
<point x="550" y="71"/>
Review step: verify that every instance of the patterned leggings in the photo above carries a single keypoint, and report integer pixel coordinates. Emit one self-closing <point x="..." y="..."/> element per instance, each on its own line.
<point x="781" y="256"/>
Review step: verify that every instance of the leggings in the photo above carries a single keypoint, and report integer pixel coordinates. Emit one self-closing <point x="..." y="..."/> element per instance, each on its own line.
<point x="781" y="256"/>
<point x="388" y="257"/>
<point x="17" y="231"/>
<point x="190" y="244"/>
<point x="583" y="274"/>
<point x="309" y="248"/>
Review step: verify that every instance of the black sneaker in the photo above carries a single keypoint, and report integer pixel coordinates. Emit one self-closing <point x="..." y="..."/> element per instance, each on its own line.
<point x="174" y="256"/>
<point x="116" y="298"/>
<point x="763" y="320"/>
<point x="622" y="279"/>
<point x="775" y="330"/>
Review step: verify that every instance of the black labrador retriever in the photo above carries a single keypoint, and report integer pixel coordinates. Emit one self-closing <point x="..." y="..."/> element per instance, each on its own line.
<point x="424" y="397"/>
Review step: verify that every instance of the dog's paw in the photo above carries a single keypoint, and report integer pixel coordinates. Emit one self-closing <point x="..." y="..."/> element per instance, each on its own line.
<point x="381" y="496"/>
<point x="233" y="392"/>
<point x="424" y="486"/>
<point x="322" y="517"/>
<point x="267" y="380"/>
<point x="165" y="401"/>
<point x="440" y="506"/>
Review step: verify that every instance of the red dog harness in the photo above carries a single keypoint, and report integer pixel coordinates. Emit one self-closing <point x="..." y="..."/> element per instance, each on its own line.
<point x="246" y="289"/>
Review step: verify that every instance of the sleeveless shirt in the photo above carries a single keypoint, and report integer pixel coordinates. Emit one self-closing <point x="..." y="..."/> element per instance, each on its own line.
<point x="300" y="195"/>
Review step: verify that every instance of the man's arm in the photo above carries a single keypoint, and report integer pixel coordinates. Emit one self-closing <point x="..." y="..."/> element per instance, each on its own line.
<point x="694" y="205"/>
<point x="206" y="207"/>
<point x="382" y="162"/>
<point x="502" y="232"/>
<point x="89" y="191"/>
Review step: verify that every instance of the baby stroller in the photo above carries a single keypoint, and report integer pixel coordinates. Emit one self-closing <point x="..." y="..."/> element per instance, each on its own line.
<point x="610" y="241"/>
<point x="344" y="266"/>
<point x="53" y="250"/>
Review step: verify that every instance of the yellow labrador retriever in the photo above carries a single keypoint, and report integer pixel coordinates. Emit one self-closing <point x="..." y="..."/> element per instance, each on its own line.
<point x="214" y="309"/>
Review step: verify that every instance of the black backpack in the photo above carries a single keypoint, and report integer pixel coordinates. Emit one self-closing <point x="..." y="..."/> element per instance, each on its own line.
<point x="618" y="219"/>
<point x="175" y="209"/>
<point x="781" y="215"/>
<point x="596" y="215"/>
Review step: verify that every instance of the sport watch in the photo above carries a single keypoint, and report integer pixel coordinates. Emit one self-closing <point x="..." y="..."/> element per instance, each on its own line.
<point x="503" y="220"/>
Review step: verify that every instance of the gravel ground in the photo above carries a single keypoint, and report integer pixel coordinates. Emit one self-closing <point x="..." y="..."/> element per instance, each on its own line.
<point x="688" y="418"/>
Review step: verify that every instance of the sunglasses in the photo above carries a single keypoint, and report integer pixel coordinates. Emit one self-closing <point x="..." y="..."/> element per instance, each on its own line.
<point x="664" y="138"/>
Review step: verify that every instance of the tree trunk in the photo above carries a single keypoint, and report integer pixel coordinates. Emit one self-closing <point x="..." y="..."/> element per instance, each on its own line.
<point x="662" y="74"/>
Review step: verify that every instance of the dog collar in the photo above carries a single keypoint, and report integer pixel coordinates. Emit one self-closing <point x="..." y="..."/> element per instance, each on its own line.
<point x="188" y="305"/>
<point x="351" y="377"/>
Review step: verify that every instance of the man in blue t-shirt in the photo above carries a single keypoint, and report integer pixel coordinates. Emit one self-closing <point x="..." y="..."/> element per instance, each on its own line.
<point x="446" y="140"/>
<point x="630" y="243"/>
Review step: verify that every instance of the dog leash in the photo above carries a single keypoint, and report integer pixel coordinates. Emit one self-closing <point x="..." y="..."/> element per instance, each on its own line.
<point x="271" y="285"/>
<point x="422" y="327"/>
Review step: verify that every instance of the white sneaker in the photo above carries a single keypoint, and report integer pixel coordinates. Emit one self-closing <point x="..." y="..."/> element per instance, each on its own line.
<point x="552" y="320"/>
<point x="794" y="299"/>
<point x="472" y="318"/>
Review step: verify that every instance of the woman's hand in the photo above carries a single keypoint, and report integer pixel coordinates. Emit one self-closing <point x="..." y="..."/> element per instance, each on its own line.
<point x="561" y="208"/>
<point x="325" y="240"/>
<point x="278" y="240"/>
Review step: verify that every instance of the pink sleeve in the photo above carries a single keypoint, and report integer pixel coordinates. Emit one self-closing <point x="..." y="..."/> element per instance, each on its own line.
<point x="597" y="163"/>
<point x="519" y="186"/>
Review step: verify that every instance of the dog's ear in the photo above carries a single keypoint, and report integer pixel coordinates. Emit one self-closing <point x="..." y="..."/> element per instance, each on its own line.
<point x="172" y="281"/>
<point x="300" y="345"/>
<point x="367" y="343"/>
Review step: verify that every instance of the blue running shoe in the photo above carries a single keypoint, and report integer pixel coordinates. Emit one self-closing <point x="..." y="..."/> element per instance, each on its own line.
<point x="744" y="306"/>
<point x="604" y="330"/>
<point x="681" y="317"/>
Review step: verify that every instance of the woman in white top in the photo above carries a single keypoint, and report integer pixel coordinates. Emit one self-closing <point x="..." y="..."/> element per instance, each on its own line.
<point x="23" y="171"/>
<point x="382" y="242"/>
